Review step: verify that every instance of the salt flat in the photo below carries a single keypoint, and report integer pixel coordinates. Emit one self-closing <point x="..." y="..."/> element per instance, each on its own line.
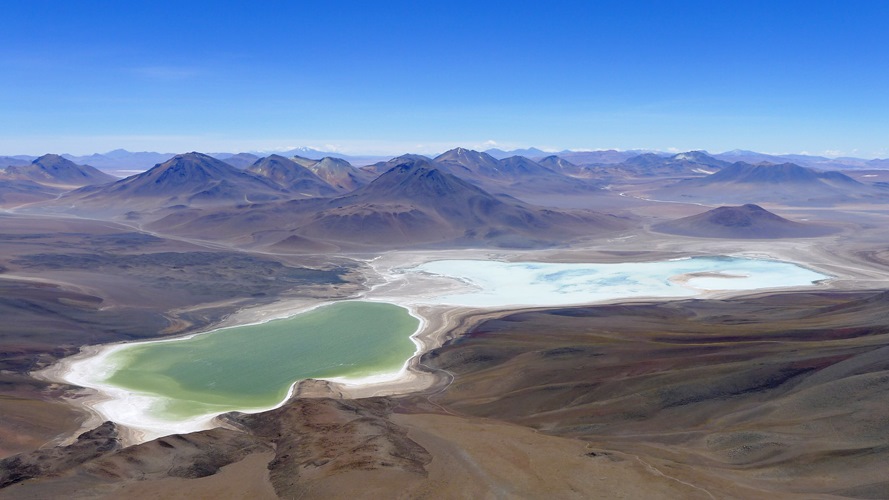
<point x="537" y="284"/>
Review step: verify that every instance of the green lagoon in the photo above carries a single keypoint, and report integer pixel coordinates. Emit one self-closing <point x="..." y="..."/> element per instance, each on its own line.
<point x="254" y="366"/>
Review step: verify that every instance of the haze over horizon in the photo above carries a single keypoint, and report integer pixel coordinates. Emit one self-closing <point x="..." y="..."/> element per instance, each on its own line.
<point x="789" y="78"/>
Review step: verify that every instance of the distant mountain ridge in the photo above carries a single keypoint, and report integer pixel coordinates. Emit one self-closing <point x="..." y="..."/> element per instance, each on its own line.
<point x="239" y="161"/>
<point x="776" y="174"/>
<point x="11" y="161"/>
<point x="514" y="175"/>
<point x="314" y="154"/>
<point x="188" y="179"/>
<point x="804" y="160"/>
<point x="785" y="183"/>
<point x="603" y="157"/>
<point x="692" y="163"/>
<point x="121" y="159"/>
<point x="528" y="153"/>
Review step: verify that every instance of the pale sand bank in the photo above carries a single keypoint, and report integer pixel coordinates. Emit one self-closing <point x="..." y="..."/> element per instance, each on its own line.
<point x="388" y="282"/>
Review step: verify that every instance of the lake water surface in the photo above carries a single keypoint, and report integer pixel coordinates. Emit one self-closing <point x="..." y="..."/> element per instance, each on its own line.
<point x="160" y="385"/>
<point x="254" y="366"/>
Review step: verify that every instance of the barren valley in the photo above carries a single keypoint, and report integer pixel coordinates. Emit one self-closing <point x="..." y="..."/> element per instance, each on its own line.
<point x="720" y="393"/>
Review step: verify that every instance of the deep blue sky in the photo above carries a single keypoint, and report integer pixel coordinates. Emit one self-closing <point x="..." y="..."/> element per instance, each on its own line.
<point x="393" y="77"/>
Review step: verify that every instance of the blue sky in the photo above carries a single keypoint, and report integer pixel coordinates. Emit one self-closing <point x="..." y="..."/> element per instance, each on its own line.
<point x="394" y="77"/>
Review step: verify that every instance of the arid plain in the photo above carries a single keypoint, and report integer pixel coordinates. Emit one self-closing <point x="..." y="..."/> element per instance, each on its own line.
<point x="730" y="394"/>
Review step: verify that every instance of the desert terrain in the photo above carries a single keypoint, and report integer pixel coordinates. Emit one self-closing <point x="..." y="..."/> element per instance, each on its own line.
<point x="725" y="395"/>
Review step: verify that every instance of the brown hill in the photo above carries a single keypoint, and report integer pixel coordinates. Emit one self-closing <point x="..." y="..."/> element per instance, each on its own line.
<point x="743" y="222"/>
<point x="337" y="172"/>
<point x="292" y="176"/>
<point x="558" y="164"/>
<point x="782" y="393"/>
<point x="778" y="395"/>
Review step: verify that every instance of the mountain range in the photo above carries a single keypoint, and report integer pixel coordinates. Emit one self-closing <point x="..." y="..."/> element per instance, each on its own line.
<point x="512" y="175"/>
<point x="412" y="203"/>
<point x="191" y="179"/>
<point x="122" y="160"/>
<point x="461" y="197"/>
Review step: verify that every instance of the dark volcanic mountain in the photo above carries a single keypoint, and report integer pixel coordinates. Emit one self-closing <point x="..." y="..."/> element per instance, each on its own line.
<point x="469" y="164"/>
<point x="55" y="170"/>
<point x="786" y="183"/>
<point x="411" y="204"/>
<point x="743" y="222"/>
<point x="337" y="172"/>
<point x="292" y="176"/>
<point x="414" y="202"/>
<point x="381" y="167"/>
<point x="186" y="179"/>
